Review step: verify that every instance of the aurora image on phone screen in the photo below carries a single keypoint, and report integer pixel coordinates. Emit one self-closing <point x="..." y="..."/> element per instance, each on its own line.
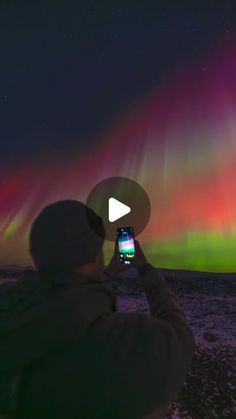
<point x="125" y="237"/>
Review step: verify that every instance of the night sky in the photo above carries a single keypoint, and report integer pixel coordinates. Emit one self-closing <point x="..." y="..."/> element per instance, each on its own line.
<point x="69" y="69"/>
<point x="144" y="90"/>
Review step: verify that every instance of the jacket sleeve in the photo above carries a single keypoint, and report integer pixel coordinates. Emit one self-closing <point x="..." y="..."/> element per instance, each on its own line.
<point x="169" y="326"/>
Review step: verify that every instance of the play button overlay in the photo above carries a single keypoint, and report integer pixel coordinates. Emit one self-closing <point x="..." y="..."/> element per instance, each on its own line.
<point x="120" y="202"/>
<point x="116" y="210"/>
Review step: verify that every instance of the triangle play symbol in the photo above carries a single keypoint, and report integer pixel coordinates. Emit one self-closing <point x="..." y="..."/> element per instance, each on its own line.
<point x="116" y="209"/>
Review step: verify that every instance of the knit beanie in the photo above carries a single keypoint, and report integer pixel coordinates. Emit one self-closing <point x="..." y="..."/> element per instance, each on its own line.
<point x="61" y="238"/>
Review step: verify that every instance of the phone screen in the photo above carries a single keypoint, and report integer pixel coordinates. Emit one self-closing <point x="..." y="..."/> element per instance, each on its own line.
<point x="125" y="236"/>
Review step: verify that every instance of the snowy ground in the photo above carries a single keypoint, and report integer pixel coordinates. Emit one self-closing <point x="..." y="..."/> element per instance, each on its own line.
<point x="209" y="302"/>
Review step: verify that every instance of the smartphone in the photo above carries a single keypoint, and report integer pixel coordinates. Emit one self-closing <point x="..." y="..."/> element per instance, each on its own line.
<point x="125" y="238"/>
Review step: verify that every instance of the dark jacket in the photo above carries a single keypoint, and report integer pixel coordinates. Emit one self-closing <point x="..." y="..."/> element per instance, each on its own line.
<point x="74" y="356"/>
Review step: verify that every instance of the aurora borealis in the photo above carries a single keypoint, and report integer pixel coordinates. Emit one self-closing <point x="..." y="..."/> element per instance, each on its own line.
<point x="179" y="143"/>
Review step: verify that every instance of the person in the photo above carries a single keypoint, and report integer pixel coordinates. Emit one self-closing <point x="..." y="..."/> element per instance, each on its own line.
<point x="73" y="355"/>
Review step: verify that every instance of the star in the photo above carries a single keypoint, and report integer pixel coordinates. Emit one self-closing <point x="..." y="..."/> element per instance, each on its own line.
<point x="165" y="28"/>
<point x="118" y="12"/>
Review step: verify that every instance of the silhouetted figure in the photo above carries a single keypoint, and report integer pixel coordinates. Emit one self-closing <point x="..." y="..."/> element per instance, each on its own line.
<point x="74" y="356"/>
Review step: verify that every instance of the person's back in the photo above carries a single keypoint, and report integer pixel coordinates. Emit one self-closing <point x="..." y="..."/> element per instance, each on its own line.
<point x="77" y="356"/>
<point x="124" y="365"/>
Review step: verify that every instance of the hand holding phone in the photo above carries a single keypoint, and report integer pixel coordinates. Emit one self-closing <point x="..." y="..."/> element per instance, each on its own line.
<point x="116" y="267"/>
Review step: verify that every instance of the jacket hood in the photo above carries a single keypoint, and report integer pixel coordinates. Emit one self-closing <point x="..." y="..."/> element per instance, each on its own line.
<point x="41" y="313"/>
